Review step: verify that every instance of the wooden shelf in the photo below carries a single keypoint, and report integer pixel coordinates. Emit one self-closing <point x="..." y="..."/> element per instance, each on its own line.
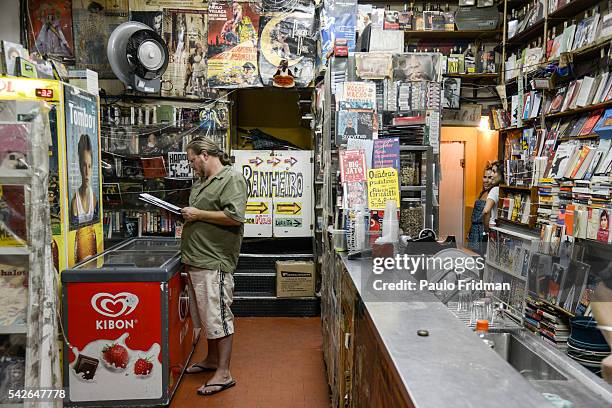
<point x="522" y="188"/>
<point x="587" y="50"/>
<point x="547" y="303"/>
<point x="409" y="148"/>
<point x="518" y="224"/>
<point x="475" y="77"/>
<point x="579" y="110"/>
<point x="571" y="9"/>
<point x="413" y="188"/>
<point x="451" y="35"/>
<point x="526" y="35"/>
<point x="584" y="137"/>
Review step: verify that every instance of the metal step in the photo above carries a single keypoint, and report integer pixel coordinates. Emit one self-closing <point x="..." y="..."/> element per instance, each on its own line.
<point x="271" y="306"/>
<point x="262" y="283"/>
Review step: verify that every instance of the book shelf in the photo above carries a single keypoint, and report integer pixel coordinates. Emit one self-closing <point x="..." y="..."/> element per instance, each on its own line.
<point x="143" y="150"/>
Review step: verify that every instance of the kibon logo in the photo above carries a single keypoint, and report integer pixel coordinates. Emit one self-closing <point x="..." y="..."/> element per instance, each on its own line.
<point x="114" y="306"/>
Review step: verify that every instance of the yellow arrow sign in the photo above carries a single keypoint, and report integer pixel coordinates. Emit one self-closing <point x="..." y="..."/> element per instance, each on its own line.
<point x="256" y="208"/>
<point x="288" y="208"/>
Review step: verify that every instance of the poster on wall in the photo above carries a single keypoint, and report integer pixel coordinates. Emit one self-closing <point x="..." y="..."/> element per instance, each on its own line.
<point x="153" y="19"/>
<point x="185" y="34"/>
<point x="51" y="31"/>
<point x="232" y="45"/>
<point x="94" y="21"/>
<point x="257" y="168"/>
<point x="82" y="157"/>
<point x="289" y="37"/>
<point x="279" y="185"/>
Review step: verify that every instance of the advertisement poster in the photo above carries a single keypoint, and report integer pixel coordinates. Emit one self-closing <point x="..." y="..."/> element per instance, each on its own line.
<point x="279" y="185"/>
<point x="83" y="165"/>
<point x="51" y="31"/>
<point x="94" y="21"/>
<point x="352" y="166"/>
<point x="13" y="229"/>
<point x="232" y="45"/>
<point x="386" y="153"/>
<point x="288" y="37"/>
<point x="185" y="34"/>
<point x="338" y="21"/>
<point x="115" y="333"/>
<point x="383" y="186"/>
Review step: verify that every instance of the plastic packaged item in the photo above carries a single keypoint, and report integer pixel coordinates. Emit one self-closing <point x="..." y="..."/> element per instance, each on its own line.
<point x="410" y="174"/>
<point x="390" y="231"/>
<point x="338" y="239"/>
<point x="411" y="218"/>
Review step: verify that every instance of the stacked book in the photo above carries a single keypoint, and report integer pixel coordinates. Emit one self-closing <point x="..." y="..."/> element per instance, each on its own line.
<point x="516" y="208"/>
<point x="545" y="320"/>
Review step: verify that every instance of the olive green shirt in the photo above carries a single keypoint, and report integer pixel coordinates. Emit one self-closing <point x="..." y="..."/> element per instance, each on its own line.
<point x="209" y="246"/>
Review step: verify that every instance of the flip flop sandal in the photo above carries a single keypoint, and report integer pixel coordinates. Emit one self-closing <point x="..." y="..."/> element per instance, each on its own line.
<point x="223" y="388"/>
<point x="198" y="368"/>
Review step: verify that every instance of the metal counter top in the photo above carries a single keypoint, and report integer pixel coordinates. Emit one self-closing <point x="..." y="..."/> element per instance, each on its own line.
<point x="451" y="367"/>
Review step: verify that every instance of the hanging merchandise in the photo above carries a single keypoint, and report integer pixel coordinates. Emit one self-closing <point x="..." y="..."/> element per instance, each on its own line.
<point x="184" y="33"/>
<point x="288" y="48"/>
<point x="94" y="21"/>
<point x="338" y="21"/>
<point x="51" y="32"/>
<point x="232" y="45"/>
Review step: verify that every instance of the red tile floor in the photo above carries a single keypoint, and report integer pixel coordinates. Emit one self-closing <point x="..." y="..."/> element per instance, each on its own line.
<point x="277" y="363"/>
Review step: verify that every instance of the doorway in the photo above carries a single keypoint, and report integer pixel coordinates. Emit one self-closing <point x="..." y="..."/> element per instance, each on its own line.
<point x="452" y="163"/>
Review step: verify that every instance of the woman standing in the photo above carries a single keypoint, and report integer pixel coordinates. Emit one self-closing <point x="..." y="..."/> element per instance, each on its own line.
<point x="477" y="237"/>
<point x="490" y="210"/>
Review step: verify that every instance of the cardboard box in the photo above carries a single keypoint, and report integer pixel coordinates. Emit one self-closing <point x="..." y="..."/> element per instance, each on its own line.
<point x="295" y="279"/>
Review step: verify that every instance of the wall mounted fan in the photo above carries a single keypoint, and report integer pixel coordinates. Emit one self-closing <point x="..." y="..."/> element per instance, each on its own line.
<point x="138" y="56"/>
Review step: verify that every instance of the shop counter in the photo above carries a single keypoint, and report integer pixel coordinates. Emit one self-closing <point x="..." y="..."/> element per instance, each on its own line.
<point x="126" y="318"/>
<point x="383" y="362"/>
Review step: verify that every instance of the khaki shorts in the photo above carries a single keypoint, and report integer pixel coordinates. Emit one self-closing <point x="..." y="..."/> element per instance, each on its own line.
<point x="211" y="296"/>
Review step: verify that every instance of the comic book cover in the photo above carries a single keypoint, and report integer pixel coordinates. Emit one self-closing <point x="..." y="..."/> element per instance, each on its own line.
<point x="51" y="31"/>
<point x="290" y="37"/>
<point x="82" y="156"/>
<point x="13" y="230"/>
<point x="93" y="23"/>
<point x="232" y="45"/>
<point x="184" y="31"/>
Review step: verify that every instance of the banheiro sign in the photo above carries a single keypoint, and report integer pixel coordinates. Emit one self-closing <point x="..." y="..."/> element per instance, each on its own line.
<point x="109" y="305"/>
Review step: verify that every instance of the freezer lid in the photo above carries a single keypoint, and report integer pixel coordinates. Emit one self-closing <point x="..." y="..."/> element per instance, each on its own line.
<point x="126" y="266"/>
<point x="149" y="244"/>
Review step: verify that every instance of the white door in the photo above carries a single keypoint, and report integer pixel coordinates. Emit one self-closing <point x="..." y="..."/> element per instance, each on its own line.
<point x="452" y="161"/>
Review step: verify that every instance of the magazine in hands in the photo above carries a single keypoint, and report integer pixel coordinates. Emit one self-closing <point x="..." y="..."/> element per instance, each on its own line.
<point x="148" y="198"/>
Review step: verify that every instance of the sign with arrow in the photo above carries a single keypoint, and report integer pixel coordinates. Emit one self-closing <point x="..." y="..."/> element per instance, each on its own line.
<point x="274" y="161"/>
<point x="288" y="222"/>
<point x="288" y="208"/>
<point x="292" y="160"/>
<point x="256" y="208"/>
<point x="256" y="161"/>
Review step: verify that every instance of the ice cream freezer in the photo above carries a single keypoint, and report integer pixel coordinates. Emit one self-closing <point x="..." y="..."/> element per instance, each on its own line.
<point x="128" y="329"/>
